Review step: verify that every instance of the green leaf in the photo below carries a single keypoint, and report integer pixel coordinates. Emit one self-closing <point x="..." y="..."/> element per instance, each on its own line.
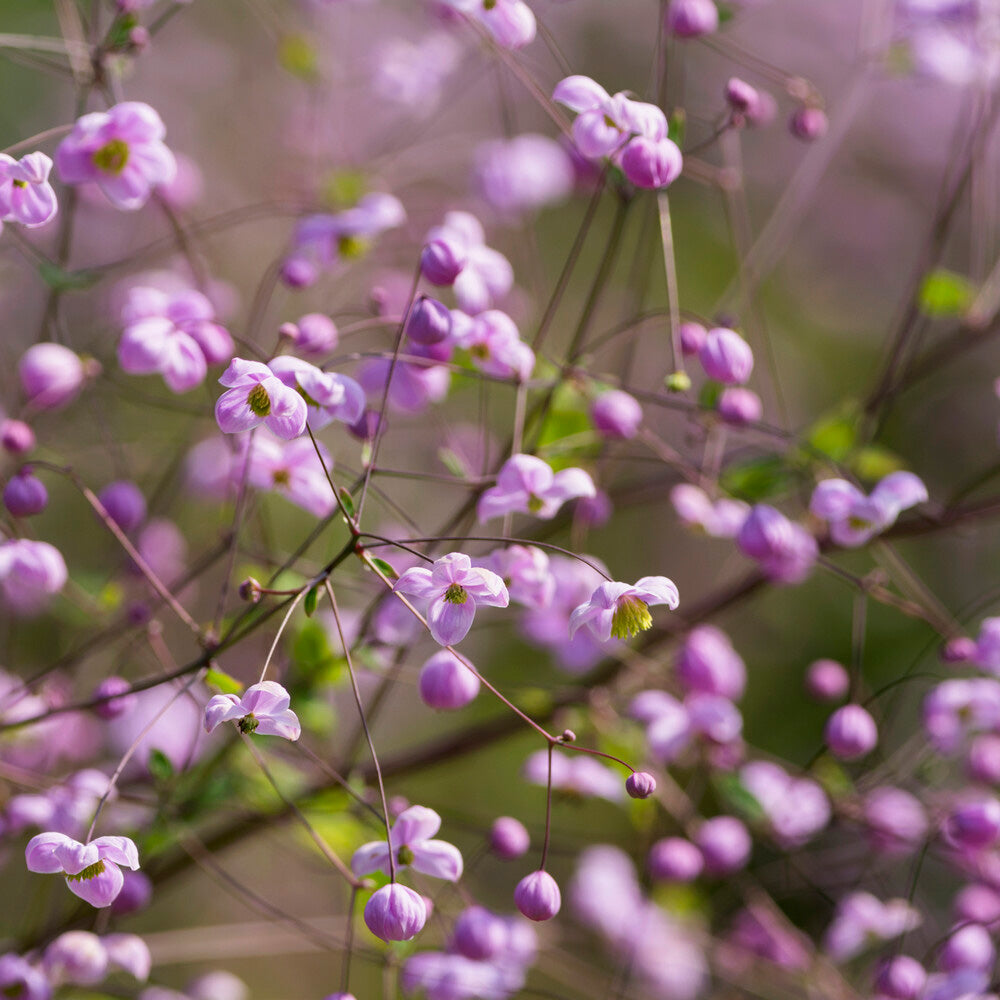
<point x="385" y="568"/>
<point x="220" y="681"/>
<point x="309" y="604"/>
<point x="709" y="394"/>
<point x="875" y="462"/>
<point x="945" y="293"/>
<point x="757" y="479"/>
<point x="160" y="767"/>
<point x="348" y="501"/>
<point x="311" y="654"/>
<point x="834" y="436"/>
<point x="65" y="281"/>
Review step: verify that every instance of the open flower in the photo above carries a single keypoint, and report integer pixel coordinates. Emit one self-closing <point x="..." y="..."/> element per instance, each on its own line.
<point x="528" y="485"/>
<point x="621" y="609"/>
<point x="454" y="587"/>
<point x="26" y="196"/>
<point x="91" y="870"/>
<point x="257" y="396"/>
<point x="263" y="709"/>
<point x="855" y="518"/>
<point x="329" y="396"/>
<point x="413" y="847"/>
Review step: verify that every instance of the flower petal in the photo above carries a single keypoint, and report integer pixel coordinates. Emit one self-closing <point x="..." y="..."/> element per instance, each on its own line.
<point x="370" y="858"/>
<point x="450" y="623"/>
<point x="438" y="859"/>
<point x="102" y="889"/>
<point x="415" y="824"/>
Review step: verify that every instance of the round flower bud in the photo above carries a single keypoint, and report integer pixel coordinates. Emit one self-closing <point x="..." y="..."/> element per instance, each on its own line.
<point x="593" y="511"/>
<point x="652" y="163"/>
<point x="896" y="820"/>
<point x="970" y="947"/>
<point x="708" y="663"/>
<point x="221" y="985"/>
<point x="25" y="494"/>
<point x="827" y="680"/>
<point x="135" y="895"/>
<point x="125" y="504"/>
<point x="693" y="337"/>
<point x="537" y="896"/>
<point x="508" y="838"/>
<point x="297" y="272"/>
<point x="725" y="845"/>
<point x="977" y="904"/>
<point x="115" y="707"/>
<point x="764" y="111"/>
<point x="738" y="406"/>
<point x="677" y="381"/>
<point x="340" y="996"/>
<point x="691" y="18"/>
<point x="479" y="934"/>
<point x="429" y="321"/>
<point x="961" y="649"/>
<point x="640" y="785"/>
<point x="674" y="859"/>
<point x="395" y="913"/>
<point x="975" y="824"/>
<point x="76" y="957"/>
<point x="851" y="733"/>
<point x="808" y="124"/>
<point x="901" y="978"/>
<point x="441" y="262"/>
<point x="365" y="428"/>
<point x="446" y="682"/>
<point x="51" y="375"/>
<point x="983" y="763"/>
<point x="616" y="414"/>
<point x="740" y="96"/>
<point x="726" y="356"/>
<point x="16" y="437"/>
<point x="316" y="334"/>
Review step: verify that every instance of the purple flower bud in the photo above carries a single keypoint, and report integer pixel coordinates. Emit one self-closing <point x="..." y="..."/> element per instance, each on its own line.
<point x="970" y="947"/>
<point x="316" y="334"/>
<point x="901" y="978"/>
<point x="725" y="845"/>
<point x="961" y="649"/>
<point x="640" y="784"/>
<point x="76" y="957"/>
<point x="442" y="261"/>
<point x="479" y="934"/>
<point x="983" y="763"/>
<point x="16" y="436"/>
<point x="395" y="913"/>
<point x="429" y="321"/>
<point x="693" y="337"/>
<point x="116" y="706"/>
<point x="135" y="895"/>
<point x="593" y="511"/>
<point x="974" y="824"/>
<point x="691" y="18"/>
<point x="827" y="680"/>
<point x="446" y="682"/>
<point x="51" y="375"/>
<point x="764" y="111"/>
<point x="739" y="407"/>
<point x="508" y="838"/>
<point x="896" y="820"/>
<point x="222" y="985"/>
<point x="537" y="896"/>
<point x="785" y="551"/>
<point x="708" y="663"/>
<point x="365" y="428"/>
<point x="25" y="494"/>
<point x="652" y="163"/>
<point x="125" y="504"/>
<point x="851" y="733"/>
<point x="808" y="124"/>
<point x="616" y="414"/>
<point x="740" y="96"/>
<point x="977" y="904"/>
<point x="726" y="356"/>
<point x="297" y="272"/>
<point x="674" y="859"/>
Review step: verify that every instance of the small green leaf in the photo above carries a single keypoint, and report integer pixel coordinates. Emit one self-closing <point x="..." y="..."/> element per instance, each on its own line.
<point x="309" y="604"/>
<point x="757" y="479"/>
<point x="834" y="436"/>
<point x="677" y="126"/>
<point x="159" y="766"/>
<point x="874" y="463"/>
<point x="709" y="394"/>
<point x="945" y="293"/>
<point x="385" y="568"/>
<point x="65" y="281"/>
<point x="220" y="681"/>
<point x="348" y="501"/>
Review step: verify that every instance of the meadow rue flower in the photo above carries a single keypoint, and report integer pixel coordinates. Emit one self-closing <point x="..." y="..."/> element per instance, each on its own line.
<point x="616" y="414"/>
<point x="957" y="709"/>
<point x="257" y="396"/>
<point x="740" y="95"/>
<point x="172" y="334"/>
<point x="721" y="518"/>
<point x="985" y="652"/>
<point x="412" y="72"/>
<point x="262" y="709"/>
<point x="851" y="733"/>
<point x="479" y="934"/>
<point x="21" y="980"/>
<point x="84" y="959"/>
<point x="726" y="356"/>
<point x="509" y="839"/>
<point x="693" y="336"/>
<point x="855" y="518"/>
<point x="796" y="808"/>
<point x="808" y="123"/>
<point x="124" y="503"/>
<point x="329" y="396"/>
<point x="527" y="485"/>
<point x="414" y="387"/>
<point x="65" y="808"/>
<point x="901" y="978"/>
<point x="446" y="682"/>
<point x="25" y="494"/>
<point x="691" y="18"/>
<point x="983" y="761"/>
<point x="395" y="913"/>
<point x="121" y="150"/>
<point x="785" y="551"/>
<point x="707" y="662"/>
<point x="494" y="344"/>
<point x="652" y="163"/>
<point x="969" y="947"/>
<point x="16" y="437"/>
<point x="524" y="173"/>
<point x="861" y="921"/>
<point x="26" y="196"/>
<point x="738" y="406"/>
<point x="429" y="321"/>
<point x="91" y="869"/>
<point x="758" y="931"/>
<point x="120" y="701"/>
<point x="827" y="680"/>
<point x="621" y="609"/>
<point x="454" y="588"/>
<point x="674" y="859"/>
<point x="974" y="824"/>
<point x="412" y="846"/>
<point x="525" y="571"/>
<point x="725" y="845"/>
<point x="510" y="22"/>
<point x="577" y="774"/>
<point x="313" y="333"/>
<point x="640" y="785"/>
<point x="896" y="821"/>
<point x="135" y="895"/>
<point x="978" y="904"/>
<point x="537" y="896"/>
<point x="51" y="376"/>
<point x="484" y="275"/>
<point x="442" y="975"/>
<point x="30" y="573"/>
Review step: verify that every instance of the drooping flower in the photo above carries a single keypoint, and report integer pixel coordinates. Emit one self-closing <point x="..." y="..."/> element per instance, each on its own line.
<point x="412" y="846"/>
<point x="510" y="22"/>
<point x="537" y="896"/>
<point x="257" y="396"/>
<point x="329" y="396"/>
<point x="262" y="709"/>
<point x="721" y="518"/>
<point x="454" y="588"/>
<point x="291" y="468"/>
<point x="51" y="375"/>
<point x="861" y="921"/>
<point x="494" y="344"/>
<point x="785" y="551"/>
<point x="855" y="518"/>
<point x="91" y="869"/>
<point x="527" y="485"/>
<point x="621" y="609"/>
<point x="121" y="150"/>
<point x="26" y="196"/>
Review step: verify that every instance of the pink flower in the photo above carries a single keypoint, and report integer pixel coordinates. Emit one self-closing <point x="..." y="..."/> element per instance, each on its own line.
<point x="395" y="913"/>
<point x="412" y="847"/>
<point x="528" y="485"/>
<point x="622" y="610"/>
<point x="510" y="22"/>
<point x="484" y="274"/>
<point x="454" y="588"/>
<point x="328" y="396"/>
<point x="494" y="344"/>
<point x="257" y="396"/>
<point x="855" y="518"/>
<point x="26" y="196"/>
<point x="30" y="573"/>
<point x="291" y="468"/>
<point x="121" y="150"/>
<point x="91" y="870"/>
<point x="263" y="709"/>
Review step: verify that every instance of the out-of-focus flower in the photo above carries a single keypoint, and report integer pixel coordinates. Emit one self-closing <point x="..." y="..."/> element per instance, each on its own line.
<point x="446" y="683"/>
<point x="577" y="774"/>
<point x="721" y="518"/>
<point x="51" y="375"/>
<point x="827" y="680"/>
<point x="524" y="173"/>
<point x="707" y="662"/>
<point x="412" y="72"/>
<point x="30" y="573"/>
<point x="855" y="518"/>
<point x="482" y="275"/>
<point x="861" y="921"/>
<point x="851" y="733"/>
<point x="796" y="808"/>
<point x="494" y="344"/>
<point x="19" y="978"/>
<point x="785" y="550"/>
<point x="262" y="709"/>
<point x="510" y="22"/>
<point x="725" y="845"/>
<point x="91" y="869"/>
<point x="527" y="485"/>
<point x="956" y="709"/>
<point x="84" y="959"/>
<point x="691" y="18"/>
<point x="616" y="414"/>
<point x="508" y="838"/>
<point x="25" y="494"/>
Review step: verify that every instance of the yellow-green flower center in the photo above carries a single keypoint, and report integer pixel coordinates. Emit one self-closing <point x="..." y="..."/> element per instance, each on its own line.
<point x="352" y="246"/>
<point x="456" y="594"/>
<point x="20" y="184"/>
<point x="630" y="618"/>
<point x="259" y="401"/>
<point x="281" y="477"/>
<point x="91" y="871"/>
<point x="248" y="724"/>
<point x="112" y="156"/>
<point x="16" y="991"/>
<point x="489" y="4"/>
<point x="405" y="855"/>
<point x="535" y="504"/>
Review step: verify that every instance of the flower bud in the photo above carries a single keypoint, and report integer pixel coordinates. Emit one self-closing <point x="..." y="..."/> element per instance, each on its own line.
<point x="961" y="649"/>
<point x="764" y="111"/>
<point x="116" y="706"/>
<point x="51" y="375"/>
<point x="125" y="504"/>
<point x="479" y="934"/>
<point x="446" y="682"/>
<point x="970" y="947"/>
<point x="740" y="96"/>
<point x="429" y="321"/>
<point x="366" y="427"/>
<point x="726" y="356"/>
<point x="395" y="913"/>
<point x="674" y="859"/>
<point x="725" y="845"/>
<point x="135" y="895"/>
<point x="901" y="978"/>
<point x="851" y="733"/>
<point x="691" y="18"/>
<point x="896" y="820"/>
<point x="693" y="337"/>
<point x="616" y="414"/>
<point x="317" y="334"/>
<point x="977" y="904"/>
<point x="76" y="957"/>
<point x="652" y="163"/>
<point x="640" y="784"/>
<point x="16" y="437"/>
<point x="297" y="272"/>
<point x="25" y="494"/>
<point x="221" y="985"/>
<point x="677" y="382"/>
<point x="974" y="824"/>
<point x="827" y="680"/>
<point x="441" y="261"/>
<point x="808" y="124"/>
<point x="739" y="407"/>
<point x="537" y="896"/>
<point x="983" y="763"/>
<point x="509" y="839"/>
<point x="250" y="590"/>
<point x="708" y="663"/>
